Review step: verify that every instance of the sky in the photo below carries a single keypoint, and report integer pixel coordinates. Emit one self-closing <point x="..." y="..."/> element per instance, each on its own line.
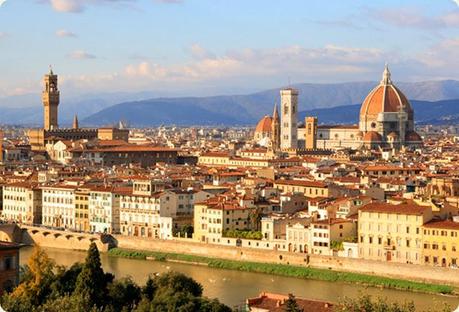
<point x="209" y="47"/>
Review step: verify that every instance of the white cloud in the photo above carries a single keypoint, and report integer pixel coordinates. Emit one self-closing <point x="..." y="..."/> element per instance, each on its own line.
<point x="2" y="2"/>
<point x="456" y="1"/>
<point x="410" y="17"/>
<point x="246" y="70"/>
<point x="294" y="61"/>
<point x="81" y="55"/>
<point x="65" y="34"/>
<point x="73" y="6"/>
<point x="199" y="53"/>
<point x="77" y="6"/>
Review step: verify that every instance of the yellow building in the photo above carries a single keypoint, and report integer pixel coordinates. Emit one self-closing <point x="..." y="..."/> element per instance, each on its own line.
<point x="308" y="188"/>
<point x="441" y="243"/>
<point x="82" y="210"/>
<point x="392" y="232"/>
<point x="215" y="216"/>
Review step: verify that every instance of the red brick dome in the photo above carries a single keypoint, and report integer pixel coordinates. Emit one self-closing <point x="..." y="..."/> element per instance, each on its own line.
<point x="372" y="137"/>
<point x="413" y="136"/>
<point x="264" y="125"/>
<point x="386" y="97"/>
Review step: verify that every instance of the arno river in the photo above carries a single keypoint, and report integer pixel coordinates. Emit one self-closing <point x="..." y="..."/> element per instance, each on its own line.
<point x="232" y="287"/>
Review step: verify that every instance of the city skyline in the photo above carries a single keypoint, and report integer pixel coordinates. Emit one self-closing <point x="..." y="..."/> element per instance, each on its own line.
<point x="187" y="47"/>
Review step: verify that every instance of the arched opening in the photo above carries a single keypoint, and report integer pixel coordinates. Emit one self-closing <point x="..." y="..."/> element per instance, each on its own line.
<point x="350" y="253"/>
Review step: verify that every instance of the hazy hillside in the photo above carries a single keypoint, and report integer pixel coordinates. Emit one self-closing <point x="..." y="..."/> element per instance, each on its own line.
<point x="441" y="112"/>
<point x="27" y="109"/>
<point x="140" y="109"/>
<point x="247" y="109"/>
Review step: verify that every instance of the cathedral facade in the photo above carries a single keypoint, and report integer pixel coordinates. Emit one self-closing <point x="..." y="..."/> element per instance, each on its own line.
<point x="386" y="120"/>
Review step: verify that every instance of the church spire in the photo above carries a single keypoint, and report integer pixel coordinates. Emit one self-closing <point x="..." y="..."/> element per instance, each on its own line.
<point x="75" y="122"/>
<point x="386" y="76"/>
<point x="275" y="130"/>
<point x="275" y="113"/>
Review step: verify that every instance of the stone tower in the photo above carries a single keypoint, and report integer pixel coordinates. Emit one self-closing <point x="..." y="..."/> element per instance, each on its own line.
<point x="311" y="132"/>
<point x="289" y="111"/>
<point x="275" y="130"/>
<point x="50" y="98"/>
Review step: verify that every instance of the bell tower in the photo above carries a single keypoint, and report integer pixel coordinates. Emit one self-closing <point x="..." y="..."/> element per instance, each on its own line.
<point x="50" y="98"/>
<point x="311" y="133"/>
<point x="289" y="111"/>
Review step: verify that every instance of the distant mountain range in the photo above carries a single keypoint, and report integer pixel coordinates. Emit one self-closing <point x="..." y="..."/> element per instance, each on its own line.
<point x="425" y="112"/>
<point x="27" y="109"/>
<point x="248" y="109"/>
<point x="333" y="103"/>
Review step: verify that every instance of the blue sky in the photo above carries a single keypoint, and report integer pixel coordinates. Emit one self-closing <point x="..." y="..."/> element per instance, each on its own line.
<point x="203" y="47"/>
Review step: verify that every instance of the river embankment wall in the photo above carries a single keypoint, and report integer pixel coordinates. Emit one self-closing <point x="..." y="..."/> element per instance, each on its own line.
<point x="394" y="270"/>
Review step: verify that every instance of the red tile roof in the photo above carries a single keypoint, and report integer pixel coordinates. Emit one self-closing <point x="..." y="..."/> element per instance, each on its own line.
<point x="409" y="209"/>
<point x="444" y="224"/>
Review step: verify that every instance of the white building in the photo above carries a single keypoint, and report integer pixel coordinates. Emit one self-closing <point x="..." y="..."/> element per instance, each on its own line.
<point x="58" y="204"/>
<point x="104" y="209"/>
<point x="22" y="203"/>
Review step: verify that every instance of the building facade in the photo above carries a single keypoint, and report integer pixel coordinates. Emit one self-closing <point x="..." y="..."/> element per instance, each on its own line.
<point x="22" y="203"/>
<point x="58" y="208"/>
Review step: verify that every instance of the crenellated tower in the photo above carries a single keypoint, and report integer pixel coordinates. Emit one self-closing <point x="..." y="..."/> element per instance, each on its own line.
<point x="50" y="98"/>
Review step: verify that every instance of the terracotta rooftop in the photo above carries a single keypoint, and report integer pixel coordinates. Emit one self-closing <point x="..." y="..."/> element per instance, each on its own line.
<point x="302" y="183"/>
<point x="276" y="303"/>
<point x="444" y="224"/>
<point x="409" y="209"/>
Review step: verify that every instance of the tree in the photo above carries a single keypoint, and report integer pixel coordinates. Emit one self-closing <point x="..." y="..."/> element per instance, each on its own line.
<point x="85" y="287"/>
<point x="177" y="282"/>
<point x="123" y="293"/>
<point x="37" y="279"/>
<point x="365" y="303"/>
<point x="291" y="305"/>
<point x="255" y="217"/>
<point x="92" y="281"/>
<point x="66" y="280"/>
<point x="148" y="291"/>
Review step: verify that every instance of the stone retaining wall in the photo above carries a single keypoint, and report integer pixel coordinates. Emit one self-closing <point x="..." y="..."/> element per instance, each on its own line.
<point x="394" y="270"/>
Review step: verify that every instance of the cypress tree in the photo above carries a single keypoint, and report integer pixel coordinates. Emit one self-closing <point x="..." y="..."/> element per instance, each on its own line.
<point x="92" y="281"/>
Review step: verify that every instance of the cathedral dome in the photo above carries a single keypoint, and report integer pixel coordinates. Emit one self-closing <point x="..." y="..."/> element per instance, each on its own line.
<point x="264" y="125"/>
<point x="413" y="136"/>
<point x="372" y="137"/>
<point x="385" y="98"/>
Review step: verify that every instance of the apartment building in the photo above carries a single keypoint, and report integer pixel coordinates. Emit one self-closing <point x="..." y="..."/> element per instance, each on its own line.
<point x="441" y="243"/>
<point x="58" y="207"/>
<point x="22" y="203"/>
<point x="324" y="232"/>
<point x="82" y="210"/>
<point x="104" y="209"/>
<point x="139" y="210"/>
<point x="308" y="188"/>
<point x="217" y="215"/>
<point x="392" y="232"/>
